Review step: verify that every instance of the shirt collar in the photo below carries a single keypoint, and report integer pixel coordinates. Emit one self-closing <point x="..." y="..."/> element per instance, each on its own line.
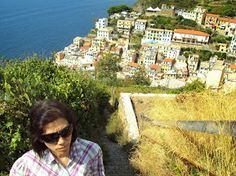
<point x="48" y="157"/>
<point x="75" y="150"/>
<point x="74" y="153"/>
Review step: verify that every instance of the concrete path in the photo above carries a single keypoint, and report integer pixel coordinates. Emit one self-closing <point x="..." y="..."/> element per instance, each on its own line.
<point x="117" y="163"/>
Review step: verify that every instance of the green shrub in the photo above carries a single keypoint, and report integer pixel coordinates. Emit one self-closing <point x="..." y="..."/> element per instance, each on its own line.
<point x="115" y="129"/>
<point x="195" y="86"/>
<point x="119" y="8"/>
<point x="25" y="82"/>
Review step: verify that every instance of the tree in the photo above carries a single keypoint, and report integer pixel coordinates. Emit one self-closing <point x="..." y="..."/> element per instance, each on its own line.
<point x="107" y="68"/>
<point x="219" y="38"/>
<point x="187" y="22"/>
<point x="141" y="78"/>
<point x="204" y="55"/>
<point x="224" y="10"/>
<point x="119" y="8"/>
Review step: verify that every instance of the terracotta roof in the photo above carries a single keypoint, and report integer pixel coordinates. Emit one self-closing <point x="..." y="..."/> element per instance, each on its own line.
<point x="87" y="44"/>
<point x="213" y="15"/>
<point x="95" y="62"/>
<point x="84" y="47"/>
<point x="114" y="49"/>
<point x="224" y="19"/>
<point x="168" y="60"/>
<point x="230" y="20"/>
<point x="191" y="32"/>
<point x="133" y="64"/>
<point x="154" y="66"/>
<point x="232" y="66"/>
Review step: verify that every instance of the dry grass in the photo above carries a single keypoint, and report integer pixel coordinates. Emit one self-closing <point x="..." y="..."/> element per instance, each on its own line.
<point x="202" y="106"/>
<point x="165" y="151"/>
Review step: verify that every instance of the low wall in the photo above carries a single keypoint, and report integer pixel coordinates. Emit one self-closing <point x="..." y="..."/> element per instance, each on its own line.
<point x="127" y="114"/>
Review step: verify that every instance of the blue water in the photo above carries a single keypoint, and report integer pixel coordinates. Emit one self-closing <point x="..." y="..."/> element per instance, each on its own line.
<point x="43" y="26"/>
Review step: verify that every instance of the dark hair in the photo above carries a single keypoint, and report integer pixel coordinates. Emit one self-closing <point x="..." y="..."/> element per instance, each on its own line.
<point x="44" y="112"/>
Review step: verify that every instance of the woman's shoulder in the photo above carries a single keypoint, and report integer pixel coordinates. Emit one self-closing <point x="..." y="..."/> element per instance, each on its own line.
<point x="86" y="144"/>
<point x="86" y="148"/>
<point x="23" y="163"/>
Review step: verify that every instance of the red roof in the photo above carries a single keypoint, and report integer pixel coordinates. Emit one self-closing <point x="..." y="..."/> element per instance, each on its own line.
<point x="88" y="44"/>
<point x="191" y="32"/>
<point x="230" y="20"/>
<point x="224" y="19"/>
<point x="95" y="62"/>
<point x="154" y="66"/>
<point x="84" y="48"/>
<point x="114" y="49"/>
<point x="212" y="15"/>
<point x="133" y="64"/>
<point x="168" y="60"/>
<point x="232" y="66"/>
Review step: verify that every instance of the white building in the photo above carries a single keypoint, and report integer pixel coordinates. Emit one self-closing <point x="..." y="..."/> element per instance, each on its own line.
<point x="169" y="51"/>
<point x="99" y="44"/>
<point x="86" y="64"/>
<point x="101" y="23"/>
<point x="232" y="47"/>
<point x="70" y="61"/>
<point x="197" y="14"/>
<point x="226" y="26"/>
<point x="153" y="35"/>
<point x="201" y="13"/>
<point x="214" y="78"/>
<point x="187" y="14"/>
<point x="193" y="63"/>
<point x="140" y="25"/>
<point x="72" y="49"/>
<point x="231" y="28"/>
<point x="78" y="41"/>
<point x="105" y="33"/>
<point x="204" y="68"/>
<point x="125" y="26"/>
<point x="129" y="56"/>
<point x="190" y="36"/>
<point x="148" y="55"/>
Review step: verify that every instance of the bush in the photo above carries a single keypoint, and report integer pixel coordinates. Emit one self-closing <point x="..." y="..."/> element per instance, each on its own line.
<point x="219" y="38"/>
<point x="224" y="10"/>
<point x="195" y="86"/>
<point x="204" y="55"/>
<point x="25" y="82"/>
<point x="118" y="9"/>
<point x="115" y="129"/>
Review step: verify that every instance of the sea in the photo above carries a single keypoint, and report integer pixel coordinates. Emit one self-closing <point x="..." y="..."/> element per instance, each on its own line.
<point x="44" y="26"/>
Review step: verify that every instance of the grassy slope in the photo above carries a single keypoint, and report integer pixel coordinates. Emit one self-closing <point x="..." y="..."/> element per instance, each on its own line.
<point x="163" y="150"/>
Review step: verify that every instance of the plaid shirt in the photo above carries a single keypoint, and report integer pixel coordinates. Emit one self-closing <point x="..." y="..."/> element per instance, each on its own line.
<point x="85" y="159"/>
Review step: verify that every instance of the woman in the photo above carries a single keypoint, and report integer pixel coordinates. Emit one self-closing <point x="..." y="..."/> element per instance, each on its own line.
<point x="57" y="151"/>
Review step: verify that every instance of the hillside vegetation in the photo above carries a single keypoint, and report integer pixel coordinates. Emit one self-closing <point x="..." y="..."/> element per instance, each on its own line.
<point x="222" y="7"/>
<point x="167" y="151"/>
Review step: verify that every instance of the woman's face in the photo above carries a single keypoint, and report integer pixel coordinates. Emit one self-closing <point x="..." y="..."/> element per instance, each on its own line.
<point x="61" y="147"/>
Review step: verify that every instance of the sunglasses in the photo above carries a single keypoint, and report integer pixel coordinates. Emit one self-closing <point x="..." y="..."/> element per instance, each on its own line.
<point x="54" y="137"/>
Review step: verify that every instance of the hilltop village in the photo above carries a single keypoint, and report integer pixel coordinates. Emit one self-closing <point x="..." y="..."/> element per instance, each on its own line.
<point x="174" y="46"/>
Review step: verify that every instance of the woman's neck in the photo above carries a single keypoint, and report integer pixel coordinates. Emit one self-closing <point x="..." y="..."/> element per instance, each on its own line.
<point x="63" y="160"/>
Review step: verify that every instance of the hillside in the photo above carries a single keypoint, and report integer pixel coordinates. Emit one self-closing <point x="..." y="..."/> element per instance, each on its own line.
<point x="222" y="7"/>
<point x="171" y="151"/>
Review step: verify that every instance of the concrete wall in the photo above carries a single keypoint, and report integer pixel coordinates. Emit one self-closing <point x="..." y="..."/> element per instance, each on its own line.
<point x="127" y="114"/>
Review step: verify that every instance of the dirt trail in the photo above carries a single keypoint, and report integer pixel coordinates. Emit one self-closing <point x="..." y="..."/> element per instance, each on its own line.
<point x="117" y="163"/>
